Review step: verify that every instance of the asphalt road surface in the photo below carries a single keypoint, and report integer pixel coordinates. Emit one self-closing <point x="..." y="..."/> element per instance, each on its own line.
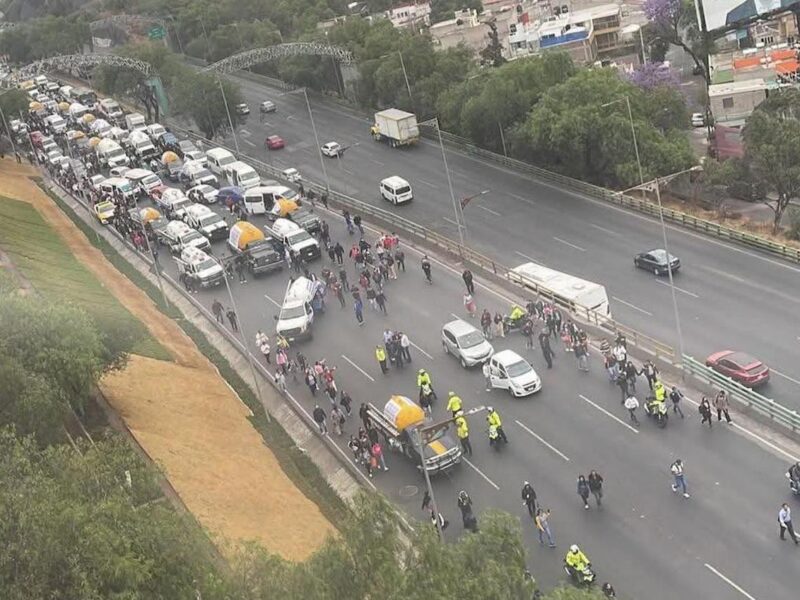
<point x="650" y="543"/>
<point x="729" y="297"/>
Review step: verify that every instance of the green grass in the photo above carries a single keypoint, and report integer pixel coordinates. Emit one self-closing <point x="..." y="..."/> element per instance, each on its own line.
<point x="297" y="466"/>
<point x="48" y="264"/>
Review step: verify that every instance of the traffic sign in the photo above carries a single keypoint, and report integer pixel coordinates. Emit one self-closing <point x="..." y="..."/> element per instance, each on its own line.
<point x="156" y="32"/>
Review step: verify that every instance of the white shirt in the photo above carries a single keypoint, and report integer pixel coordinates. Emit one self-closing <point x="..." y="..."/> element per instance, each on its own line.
<point x="486" y="370"/>
<point x="631" y="402"/>
<point x="677" y="469"/>
<point x="404" y="341"/>
<point x="784" y="515"/>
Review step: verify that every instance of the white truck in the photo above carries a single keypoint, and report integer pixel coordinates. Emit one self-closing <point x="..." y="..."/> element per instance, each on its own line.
<point x="395" y="126"/>
<point x="297" y="313"/>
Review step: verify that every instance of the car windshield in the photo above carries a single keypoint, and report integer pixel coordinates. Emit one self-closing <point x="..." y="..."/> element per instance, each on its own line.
<point x="116" y="153"/>
<point x="125" y="188"/>
<point x="150" y="180"/>
<point x="210" y="220"/>
<point x="403" y="190"/>
<point x="293" y="312"/>
<point x="470" y="340"/>
<point x="518" y="368"/>
<point x="209" y="263"/>
<point x="202" y="174"/>
<point x="205" y="189"/>
<point x="182" y="203"/>
<point x="299" y="236"/>
<point x="661" y="255"/>
<point x="190" y="236"/>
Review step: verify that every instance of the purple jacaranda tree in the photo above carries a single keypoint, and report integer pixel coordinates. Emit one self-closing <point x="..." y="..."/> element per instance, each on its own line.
<point x="653" y="75"/>
<point x="675" y="22"/>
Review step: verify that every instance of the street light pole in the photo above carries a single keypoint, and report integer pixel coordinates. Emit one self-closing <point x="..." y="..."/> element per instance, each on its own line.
<point x="316" y="137"/>
<point x="502" y="139"/>
<point x="155" y="265"/>
<point x="247" y="352"/>
<point x="405" y="76"/>
<point x="228" y="111"/>
<point x="627" y="101"/>
<point x="459" y="219"/>
<point x="420" y="450"/>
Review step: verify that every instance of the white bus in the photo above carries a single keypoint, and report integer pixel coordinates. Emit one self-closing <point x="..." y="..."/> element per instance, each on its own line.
<point x="565" y="288"/>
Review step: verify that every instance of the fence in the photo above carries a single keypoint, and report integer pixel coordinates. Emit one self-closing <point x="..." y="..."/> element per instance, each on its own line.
<point x="674" y="216"/>
<point x="739" y="393"/>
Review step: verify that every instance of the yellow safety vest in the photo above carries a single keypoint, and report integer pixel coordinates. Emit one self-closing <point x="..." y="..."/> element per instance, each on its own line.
<point x="463" y="428"/>
<point x="380" y="354"/>
<point x="494" y="419"/>
<point x="454" y="404"/>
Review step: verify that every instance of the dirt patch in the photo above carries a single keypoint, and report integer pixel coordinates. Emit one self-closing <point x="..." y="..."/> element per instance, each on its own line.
<point x="188" y="419"/>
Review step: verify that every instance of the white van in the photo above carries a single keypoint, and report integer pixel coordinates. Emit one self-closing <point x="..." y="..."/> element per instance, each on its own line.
<point x="293" y="237"/>
<point x="122" y="185"/>
<point x="177" y="235"/>
<point x="173" y="202"/>
<point x="260" y="199"/>
<point x="218" y="159"/>
<point x="111" y="109"/>
<point x="77" y="111"/>
<point x="206" y="221"/>
<point x="110" y="154"/>
<point x="155" y="130"/>
<point x="55" y="124"/>
<point x="297" y="315"/>
<point x="194" y="173"/>
<point x="134" y="121"/>
<point x="242" y="175"/>
<point x="100" y="128"/>
<point x="396" y="190"/>
<point x="144" y="181"/>
<point x="142" y="145"/>
<point x="198" y="265"/>
<point x="567" y="290"/>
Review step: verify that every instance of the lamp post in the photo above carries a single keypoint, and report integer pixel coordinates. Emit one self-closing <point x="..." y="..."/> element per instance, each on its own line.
<point x="657" y="182"/>
<point x="434" y="122"/>
<point x="240" y="329"/>
<point x="627" y="101"/>
<point x="222" y="90"/>
<point x="405" y="74"/>
<point x="466" y="200"/>
<point x="316" y="137"/>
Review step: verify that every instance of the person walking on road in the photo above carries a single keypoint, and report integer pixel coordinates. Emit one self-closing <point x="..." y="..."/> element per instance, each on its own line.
<point x="380" y="355"/>
<point x="722" y="404"/>
<point x="405" y="346"/>
<point x="527" y="331"/>
<point x="676" y="396"/>
<point x="487" y="375"/>
<point x="358" y="308"/>
<point x="426" y="268"/>
<point x="705" y="411"/>
<point x="493" y="419"/>
<point x="280" y="381"/>
<point x="650" y="372"/>
<point x="679" y="478"/>
<point x="785" y="523"/>
<point x="469" y="304"/>
<point x="320" y="418"/>
<point x="467" y="277"/>
<point x="486" y="323"/>
<point x="583" y="491"/>
<point x="543" y="526"/>
<point x="499" y="327"/>
<point x="232" y="319"/>
<point x="454" y="404"/>
<point x="596" y="486"/>
<point x="311" y="381"/>
<point x="529" y="499"/>
<point x="219" y="311"/>
<point x="462" y="430"/>
<point x="377" y="453"/>
<point x="632" y="403"/>
<point x="547" y="351"/>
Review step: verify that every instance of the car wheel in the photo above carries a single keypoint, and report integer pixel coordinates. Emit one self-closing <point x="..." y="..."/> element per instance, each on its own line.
<point x="464" y="363"/>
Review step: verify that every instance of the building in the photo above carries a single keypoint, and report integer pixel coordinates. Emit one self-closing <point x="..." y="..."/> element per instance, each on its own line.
<point x="413" y="16"/>
<point x="588" y="35"/>
<point x="734" y="101"/>
<point x="471" y="30"/>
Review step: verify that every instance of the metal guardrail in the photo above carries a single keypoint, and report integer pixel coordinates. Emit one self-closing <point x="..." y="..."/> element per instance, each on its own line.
<point x="736" y="391"/>
<point x="644" y="206"/>
<point x="467" y="254"/>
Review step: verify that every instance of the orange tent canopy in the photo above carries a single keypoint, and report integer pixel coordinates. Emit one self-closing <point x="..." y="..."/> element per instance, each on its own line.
<point x="744" y="63"/>
<point x="784" y="54"/>
<point x="787" y="67"/>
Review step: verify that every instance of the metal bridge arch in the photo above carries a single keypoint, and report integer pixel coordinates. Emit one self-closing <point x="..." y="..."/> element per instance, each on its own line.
<point x="248" y="58"/>
<point x="72" y="61"/>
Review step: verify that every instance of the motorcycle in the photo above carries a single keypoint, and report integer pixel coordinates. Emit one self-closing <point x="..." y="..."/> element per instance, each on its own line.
<point x="510" y="324"/>
<point x="794" y="485"/>
<point x="656" y="410"/>
<point x="495" y="441"/>
<point x="584" y="577"/>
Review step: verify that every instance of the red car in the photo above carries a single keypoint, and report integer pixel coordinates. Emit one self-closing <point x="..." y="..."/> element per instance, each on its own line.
<point x="741" y="367"/>
<point x="274" y="142"/>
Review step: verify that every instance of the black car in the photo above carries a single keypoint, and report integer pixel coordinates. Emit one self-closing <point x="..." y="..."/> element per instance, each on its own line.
<point x="656" y="261"/>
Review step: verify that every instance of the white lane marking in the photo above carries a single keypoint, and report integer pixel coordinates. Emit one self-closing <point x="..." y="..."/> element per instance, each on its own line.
<point x="729" y="582"/>
<point x="377" y="162"/>
<point x="249" y="143"/>
<point x="421" y="350"/>
<point x="604" y="411"/>
<point x="490" y="211"/>
<point x="422" y="181"/>
<point x="677" y="289"/>
<point x="753" y="284"/>
<point x="779" y="374"/>
<point x="359" y="369"/>
<point x="271" y="300"/>
<point x="267" y="123"/>
<point x="245" y="132"/>
<point x="633" y="306"/>
<point x="450" y="221"/>
<point x="538" y="437"/>
<point x="767" y="443"/>
<point x="603" y="229"/>
<point x="518" y="197"/>
<point x="530" y="258"/>
<point x="571" y="245"/>
<point x="481" y="473"/>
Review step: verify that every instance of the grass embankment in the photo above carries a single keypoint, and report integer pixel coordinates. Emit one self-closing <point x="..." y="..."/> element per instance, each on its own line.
<point x="48" y="264"/>
<point x="295" y="464"/>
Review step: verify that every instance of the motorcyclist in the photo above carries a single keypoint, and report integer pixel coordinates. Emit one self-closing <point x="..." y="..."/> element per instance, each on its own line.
<point x="426" y="396"/>
<point x="494" y="437"/>
<point x="422" y="379"/>
<point x="493" y="419"/>
<point x="516" y="314"/>
<point x="576" y="560"/>
<point x="454" y="403"/>
<point x="660" y="391"/>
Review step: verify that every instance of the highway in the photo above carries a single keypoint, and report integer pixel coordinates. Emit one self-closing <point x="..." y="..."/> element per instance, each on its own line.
<point x="720" y="544"/>
<point x="728" y="296"/>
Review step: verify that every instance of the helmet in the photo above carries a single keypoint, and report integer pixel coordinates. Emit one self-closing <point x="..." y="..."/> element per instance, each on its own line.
<point x="490" y="409"/>
<point x="525" y="483"/>
<point x="574" y="548"/>
<point x="450" y="394"/>
<point x="422" y="371"/>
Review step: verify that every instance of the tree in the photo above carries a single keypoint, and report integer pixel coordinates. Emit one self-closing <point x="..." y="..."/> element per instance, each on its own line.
<point x="441" y="10"/>
<point x="88" y="524"/>
<point x="652" y="75"/>
<point x="44" y="37"/>
<point x="199" y="96"/>
<point x="772" y="149"/>
<point x="571" y="131"/>
<point x="492" y="55"/>
<point x="57" y="343"/>
<point x="13" y="102"/>
<point x="675" y="22"/>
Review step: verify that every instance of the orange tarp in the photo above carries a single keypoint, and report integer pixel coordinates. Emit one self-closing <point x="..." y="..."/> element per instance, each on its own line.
<point x="784" y="54"/>
<point x="787" y="67"/>
<point x="744" y="63"/>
